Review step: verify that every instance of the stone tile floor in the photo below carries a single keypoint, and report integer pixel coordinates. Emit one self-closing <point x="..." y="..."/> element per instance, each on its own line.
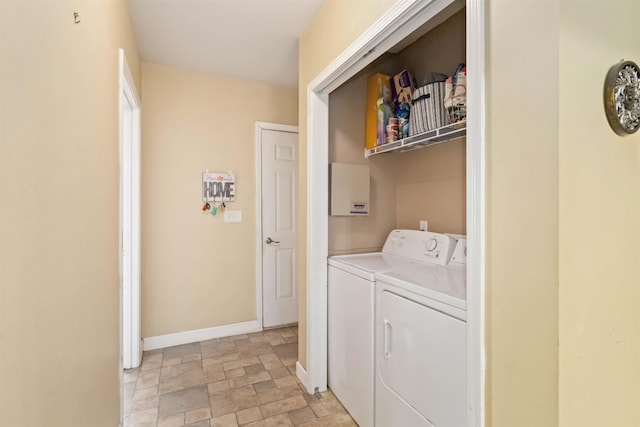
<point x="244" y="380"/>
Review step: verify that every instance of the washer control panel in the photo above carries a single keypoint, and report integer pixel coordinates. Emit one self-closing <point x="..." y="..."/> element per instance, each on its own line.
<point x="460" y="252"/>
<point x="423" y="246"/>
<point x="437" y="248"/>
<point x="397" y="237"/>
<point x="430" y="246"/>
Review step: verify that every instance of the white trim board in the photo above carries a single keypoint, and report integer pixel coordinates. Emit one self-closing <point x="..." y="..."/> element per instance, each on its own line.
<point x="129" y="153"/>
<point x="128" y="222"/>
<point x="399" y="22"/>
<point x="129" y="216"/>
<point x="476" y="208"/>
<point x="302" y="375"/>
<point x="187" y="337"/>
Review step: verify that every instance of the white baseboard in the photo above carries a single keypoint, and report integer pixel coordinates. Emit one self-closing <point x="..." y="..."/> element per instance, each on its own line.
<point x="302" y="375"/>
<point x="186" y="337"/>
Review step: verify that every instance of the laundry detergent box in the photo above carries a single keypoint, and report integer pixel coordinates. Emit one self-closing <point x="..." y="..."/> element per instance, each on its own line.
<point x="378" y="86"/>
<point x="402" y="86"/>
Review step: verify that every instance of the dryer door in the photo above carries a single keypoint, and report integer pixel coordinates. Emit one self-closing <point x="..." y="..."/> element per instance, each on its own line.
<point x="420" y="364"/>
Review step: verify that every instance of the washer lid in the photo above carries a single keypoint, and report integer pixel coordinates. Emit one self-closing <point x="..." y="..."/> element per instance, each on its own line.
<point x="367" y="265"/>
<point x="436" y="282"/>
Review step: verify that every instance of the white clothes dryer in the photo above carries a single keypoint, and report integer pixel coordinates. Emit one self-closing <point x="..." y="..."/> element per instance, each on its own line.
<point x="421" y="344"/>
<point x="351" y="311"/>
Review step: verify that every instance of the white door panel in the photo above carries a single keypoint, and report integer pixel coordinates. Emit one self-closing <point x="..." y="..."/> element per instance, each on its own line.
<point x="285" y="262"/>
<point x="279" y="166"/>
<point x="285" y="209"/>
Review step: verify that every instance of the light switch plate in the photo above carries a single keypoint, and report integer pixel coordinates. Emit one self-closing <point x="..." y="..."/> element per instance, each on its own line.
<point x="232" y="216"/>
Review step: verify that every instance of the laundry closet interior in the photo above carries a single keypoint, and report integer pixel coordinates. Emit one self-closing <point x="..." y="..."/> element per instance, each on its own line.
<point x="427" y="183"/>
<point x="397" y="296"/>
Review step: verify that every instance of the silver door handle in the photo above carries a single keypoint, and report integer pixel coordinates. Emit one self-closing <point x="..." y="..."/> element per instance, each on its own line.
<point x="270" y="240"/>
<point x="387" y="338"/>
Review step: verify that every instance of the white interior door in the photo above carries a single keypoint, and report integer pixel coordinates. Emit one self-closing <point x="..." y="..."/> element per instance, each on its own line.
<point x="279" y="185"/>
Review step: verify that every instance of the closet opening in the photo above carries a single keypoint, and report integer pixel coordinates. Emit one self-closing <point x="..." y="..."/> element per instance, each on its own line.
<point x="443" y="184"/>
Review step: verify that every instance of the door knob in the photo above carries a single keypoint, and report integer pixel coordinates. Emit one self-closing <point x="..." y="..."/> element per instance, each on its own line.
<point x="269" y="240"/>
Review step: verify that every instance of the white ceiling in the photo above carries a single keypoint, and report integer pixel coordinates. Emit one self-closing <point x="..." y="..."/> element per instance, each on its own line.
<point x="248" y="39"/>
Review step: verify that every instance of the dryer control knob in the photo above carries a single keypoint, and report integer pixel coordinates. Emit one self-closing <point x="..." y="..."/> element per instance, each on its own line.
<point x="431" y="245"/>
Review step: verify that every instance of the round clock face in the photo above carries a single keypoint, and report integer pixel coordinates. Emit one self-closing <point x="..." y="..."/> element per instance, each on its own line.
<point x="622" y="97"/>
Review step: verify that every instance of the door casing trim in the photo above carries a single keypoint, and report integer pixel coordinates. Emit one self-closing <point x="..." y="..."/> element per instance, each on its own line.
<point x="130" y="300"/>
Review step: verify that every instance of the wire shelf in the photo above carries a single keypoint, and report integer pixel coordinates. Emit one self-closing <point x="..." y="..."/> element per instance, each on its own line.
<point x="435" y="136"/>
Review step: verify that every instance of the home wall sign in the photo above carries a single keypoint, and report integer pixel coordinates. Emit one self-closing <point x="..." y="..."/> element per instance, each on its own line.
<point x="218" y="187"/>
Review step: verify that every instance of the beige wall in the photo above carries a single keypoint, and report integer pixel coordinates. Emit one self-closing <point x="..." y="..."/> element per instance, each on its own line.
<point x="431" y="185"/>
<point x="346" y="145"/>
<point x="440" y="50"/>
<point x="59" y="178"/>
<point x="599" y="223"/>
<point x="522" y="214"/>
<point x="431" y="182"/>
<point x="197" y="270"/>
<point x="338" y="24"/>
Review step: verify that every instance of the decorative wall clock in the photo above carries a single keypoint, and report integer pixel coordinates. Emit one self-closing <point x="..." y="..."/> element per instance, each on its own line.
<point x="622" y="97"/>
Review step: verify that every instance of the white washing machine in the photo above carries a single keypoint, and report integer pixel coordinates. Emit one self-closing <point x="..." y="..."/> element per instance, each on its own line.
<point x="421" y="344"/>
<point x="351" y="311"/>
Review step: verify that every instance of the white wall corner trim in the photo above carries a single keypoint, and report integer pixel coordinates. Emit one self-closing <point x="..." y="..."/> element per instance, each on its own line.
<point x="302" y="375"/>
<point x="186" y="337"/>
<point x="129" y="215"/>
<point x="259" y="127"/>
<point x="317" y="239"/>
<point x="476" y="213"/>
